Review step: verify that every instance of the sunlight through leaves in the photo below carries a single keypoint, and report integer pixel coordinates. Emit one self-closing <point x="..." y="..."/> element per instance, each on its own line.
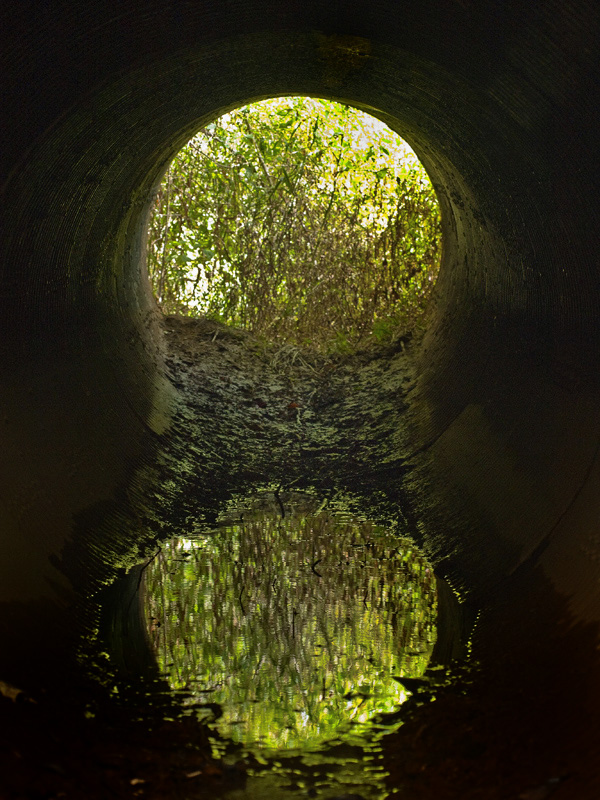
<point x="289" y="631"/>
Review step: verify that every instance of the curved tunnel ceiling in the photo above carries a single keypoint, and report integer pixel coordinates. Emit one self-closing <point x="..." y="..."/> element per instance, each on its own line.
<point x="503" y="426"/>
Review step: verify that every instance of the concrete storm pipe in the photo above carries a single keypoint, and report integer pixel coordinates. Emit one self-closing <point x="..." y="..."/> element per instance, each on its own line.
<point x="500" y="438"/>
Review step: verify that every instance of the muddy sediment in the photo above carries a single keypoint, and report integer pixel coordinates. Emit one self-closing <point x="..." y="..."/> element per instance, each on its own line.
<point x="252" y="416"/>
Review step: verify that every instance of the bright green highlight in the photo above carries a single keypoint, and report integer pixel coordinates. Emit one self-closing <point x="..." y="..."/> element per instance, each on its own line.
<point x="302" y="220"/>
<point x="295" y="627"/>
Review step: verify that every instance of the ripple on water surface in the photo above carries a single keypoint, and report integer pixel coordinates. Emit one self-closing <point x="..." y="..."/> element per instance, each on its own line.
<point x="288" y="633"/>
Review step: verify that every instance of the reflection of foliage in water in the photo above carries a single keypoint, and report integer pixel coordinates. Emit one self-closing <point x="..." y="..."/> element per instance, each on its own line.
<point x="293" y="626"/>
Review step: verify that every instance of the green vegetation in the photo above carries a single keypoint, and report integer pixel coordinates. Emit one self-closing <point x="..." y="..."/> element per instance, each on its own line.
<point x="293" y="627"/>
<point x="305" y="221"/>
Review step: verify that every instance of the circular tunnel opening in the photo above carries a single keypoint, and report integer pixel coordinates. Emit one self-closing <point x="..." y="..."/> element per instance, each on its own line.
<point x="284" y="237"/>
<point x="496" y="453"/>
<point x="305" y="221"/>
<point x="237" y="420"/>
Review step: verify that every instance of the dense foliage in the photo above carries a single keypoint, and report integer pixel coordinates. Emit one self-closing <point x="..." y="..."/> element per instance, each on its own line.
<point x="303" y="220"/>
<point x="292" y="628"/>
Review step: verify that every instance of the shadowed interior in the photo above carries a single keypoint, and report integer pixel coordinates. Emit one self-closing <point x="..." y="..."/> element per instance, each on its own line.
<point x="497" y="439"/>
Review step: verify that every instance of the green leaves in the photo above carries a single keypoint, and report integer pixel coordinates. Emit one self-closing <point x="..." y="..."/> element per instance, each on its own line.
<point x="295" y="627"/>
<point x="307" y="221"/>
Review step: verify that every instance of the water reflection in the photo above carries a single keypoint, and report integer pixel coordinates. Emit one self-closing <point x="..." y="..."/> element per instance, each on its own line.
<point x="289" y="631"/>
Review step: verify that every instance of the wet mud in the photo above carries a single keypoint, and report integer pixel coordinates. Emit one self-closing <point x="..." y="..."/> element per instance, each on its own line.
<point x="249" y="417"/>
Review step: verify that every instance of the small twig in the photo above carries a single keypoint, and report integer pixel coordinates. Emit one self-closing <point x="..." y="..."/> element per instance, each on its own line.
<point x="261" y="160"/>
<point x="278" y="498"/>
<point x="141" y="575"/>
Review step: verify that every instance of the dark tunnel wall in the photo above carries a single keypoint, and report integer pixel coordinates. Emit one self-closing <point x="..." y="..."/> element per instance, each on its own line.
<point x="500" y="102"/>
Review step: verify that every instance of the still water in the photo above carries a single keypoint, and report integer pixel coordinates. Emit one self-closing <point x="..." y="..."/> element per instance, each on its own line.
<point x="287" y="630"/>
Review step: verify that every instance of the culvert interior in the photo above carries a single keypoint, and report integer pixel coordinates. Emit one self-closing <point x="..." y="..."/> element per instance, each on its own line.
<point x="485" y="434"/>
